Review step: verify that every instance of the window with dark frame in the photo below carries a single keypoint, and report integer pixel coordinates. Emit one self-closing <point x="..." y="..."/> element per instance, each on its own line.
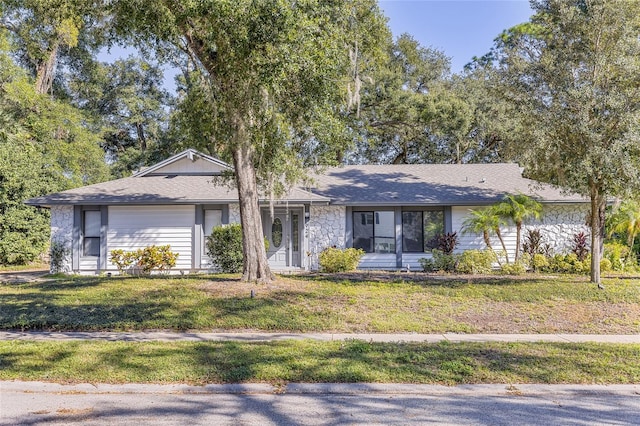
<point x="374" y="231"/>
<point x="91" y="224"/>
<point x="421" y="229"/>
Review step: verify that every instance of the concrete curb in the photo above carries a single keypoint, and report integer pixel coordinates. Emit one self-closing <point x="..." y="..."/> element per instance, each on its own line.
<point x="267" y="337"/>
<point x="319" y="389"/>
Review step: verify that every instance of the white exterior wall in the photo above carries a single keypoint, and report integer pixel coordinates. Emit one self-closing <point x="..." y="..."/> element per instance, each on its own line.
<point x="62" y="232"/>
<point x="558" y="225"/>
<point x="326" y="228"/>
<point x="135" y="227"/>
<point x="560" y="222"/>
<point x="475" y="241"/>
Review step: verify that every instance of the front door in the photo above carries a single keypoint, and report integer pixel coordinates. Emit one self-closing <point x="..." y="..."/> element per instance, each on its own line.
<point x="283" y="232"/>
<point x="277" y="233"/>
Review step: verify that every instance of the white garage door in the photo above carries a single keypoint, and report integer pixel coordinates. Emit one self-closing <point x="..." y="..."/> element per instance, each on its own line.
<point x="134" y="227"/>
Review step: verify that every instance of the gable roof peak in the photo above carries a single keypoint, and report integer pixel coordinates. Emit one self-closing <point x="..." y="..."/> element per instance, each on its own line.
<point x="190" y="154"/>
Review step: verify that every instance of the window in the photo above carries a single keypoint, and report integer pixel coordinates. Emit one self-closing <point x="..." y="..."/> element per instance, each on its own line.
<point x="295" y="232"/>
<point x="212" y="218"/>
<point x="91" y="224"/>
<point x="374" y="232"/>
<point x="421" y="229"/>
<point x="276" y="233"/>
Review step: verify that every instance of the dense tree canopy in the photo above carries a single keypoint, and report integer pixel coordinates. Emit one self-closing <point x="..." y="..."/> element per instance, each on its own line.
<point x="269" y="72"/>
<point x="571" y="76"/>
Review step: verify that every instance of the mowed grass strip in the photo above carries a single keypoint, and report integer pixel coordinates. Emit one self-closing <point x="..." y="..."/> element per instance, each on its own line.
<point x="312" y="361"/>
<point x="364" y="302"/>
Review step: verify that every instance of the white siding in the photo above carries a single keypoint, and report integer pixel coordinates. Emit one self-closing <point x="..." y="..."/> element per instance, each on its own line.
<point x="413" y="260"/>
<point x="134" y="227"/>
<point x="89" y="263"/>
<point x="475" y="241"/>
<point x="378" y="261"/>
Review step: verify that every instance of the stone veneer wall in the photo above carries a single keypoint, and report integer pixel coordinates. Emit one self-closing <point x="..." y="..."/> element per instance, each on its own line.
<point x="62" y="232"/>
<point x="560" y="222"/>
<point x="326" y="228"/>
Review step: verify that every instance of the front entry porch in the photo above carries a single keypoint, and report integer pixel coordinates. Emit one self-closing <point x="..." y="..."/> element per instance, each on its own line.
<point x="284" y="232"/>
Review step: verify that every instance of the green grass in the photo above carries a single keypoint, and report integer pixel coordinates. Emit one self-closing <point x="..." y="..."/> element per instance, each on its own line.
<point x="35" y="266"/>
<point x="364" y="303"/>
<point x="311" y="361"/>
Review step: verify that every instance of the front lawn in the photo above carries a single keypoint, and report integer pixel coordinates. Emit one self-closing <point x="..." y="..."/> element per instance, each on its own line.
<point x="363" y="302"/>
<point x="312" y="361"/>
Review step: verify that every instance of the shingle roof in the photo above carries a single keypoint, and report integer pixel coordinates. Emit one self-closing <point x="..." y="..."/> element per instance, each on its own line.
<point x="420" y="184"/>
<point x="431" y="184"/>
<point x="170" y="189"/>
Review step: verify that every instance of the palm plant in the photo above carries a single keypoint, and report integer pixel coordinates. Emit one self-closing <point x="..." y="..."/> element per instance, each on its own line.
<point x="519" y="208"/>
<point x="625" y="220"/>
<point x="486" y="222"/>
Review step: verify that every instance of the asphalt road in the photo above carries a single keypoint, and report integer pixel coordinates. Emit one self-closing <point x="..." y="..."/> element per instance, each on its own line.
<point x="28" y="403"/>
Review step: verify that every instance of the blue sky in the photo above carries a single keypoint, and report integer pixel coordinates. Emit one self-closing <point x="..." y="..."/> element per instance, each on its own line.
<point x="461" y="28"/>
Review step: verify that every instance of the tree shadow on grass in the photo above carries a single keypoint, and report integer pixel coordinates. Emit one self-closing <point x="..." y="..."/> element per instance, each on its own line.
<point x="43" y="312"/>
<point x="344" y="362"/>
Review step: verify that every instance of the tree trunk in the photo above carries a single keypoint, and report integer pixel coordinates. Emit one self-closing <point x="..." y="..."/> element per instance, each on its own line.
<point x="504" y="247"/>
<point x="141" y="137"/>
<point x="487" y="241"/>
<point x="256" y="266"/>
<point x="598" y="204"/>
<point x="518" y="235"/>
<point x="45" y="71"/>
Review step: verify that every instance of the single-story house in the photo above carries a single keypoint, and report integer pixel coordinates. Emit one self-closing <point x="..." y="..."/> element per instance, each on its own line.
<point x="392" y="212"/>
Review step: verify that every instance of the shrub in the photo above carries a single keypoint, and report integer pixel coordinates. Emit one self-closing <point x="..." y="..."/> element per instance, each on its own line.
<point x="533" y="244"/>
<point x="339" y="260"/>
<point x="440" y="261"/>
<point x="224" y="246"/>
<point x="476" y="261"/>
<point x="427" y="264"/>
<point x="605" y="265"/>
<point x="516" y="268"/>
<point x="57" y="256"/>
<point x="539" y="262"/>
<point x="122" y="259"/>
<point x="569" y="264"/>
<point x="156" y="257"/>
<point x="617" y="254"/>
<point x="580" y="246"/>
<point x="24" y="230"/>
<point x="147" y="259"/>
<point x="447" y="242"/>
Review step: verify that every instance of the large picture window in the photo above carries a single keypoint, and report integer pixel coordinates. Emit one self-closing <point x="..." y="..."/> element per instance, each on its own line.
<point x="420" y="230"/>
<point x="374" y="231"/>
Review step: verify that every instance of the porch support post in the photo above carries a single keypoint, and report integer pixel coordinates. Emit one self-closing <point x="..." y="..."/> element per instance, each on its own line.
<point x="75" y="244"/>
<point x="448" y="220"/>
<point x="348" y="229"/>
<point x="398" y="217"/>
<point x="197" y="238"/>
<point x="104" y="247"/>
